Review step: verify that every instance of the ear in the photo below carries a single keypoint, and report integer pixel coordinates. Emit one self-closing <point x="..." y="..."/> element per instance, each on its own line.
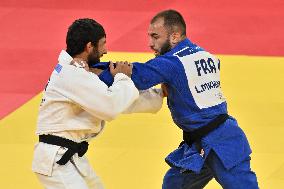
<point x="89" y="47"/>
<point x="175" y="38"/>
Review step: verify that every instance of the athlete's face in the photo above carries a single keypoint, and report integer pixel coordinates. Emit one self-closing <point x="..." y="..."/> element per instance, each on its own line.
<point x="98" y="51"/>
<point x="159" y="37"/>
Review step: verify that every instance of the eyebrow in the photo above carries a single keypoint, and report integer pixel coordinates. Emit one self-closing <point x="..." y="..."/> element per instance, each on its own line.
<point x="153" y="34"/>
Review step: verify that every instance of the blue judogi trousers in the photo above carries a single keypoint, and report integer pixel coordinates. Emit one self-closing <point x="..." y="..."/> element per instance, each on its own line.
<point x="238" y="177"/>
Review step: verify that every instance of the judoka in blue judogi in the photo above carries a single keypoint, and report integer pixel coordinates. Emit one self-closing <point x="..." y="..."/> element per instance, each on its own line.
<point x="195" y="100"/>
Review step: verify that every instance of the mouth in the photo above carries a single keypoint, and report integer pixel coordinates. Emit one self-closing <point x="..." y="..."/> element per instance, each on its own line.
<point x="156" y="53"/>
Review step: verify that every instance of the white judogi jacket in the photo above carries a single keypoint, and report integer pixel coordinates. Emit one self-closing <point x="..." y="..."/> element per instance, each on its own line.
<point x="74" y="105"/>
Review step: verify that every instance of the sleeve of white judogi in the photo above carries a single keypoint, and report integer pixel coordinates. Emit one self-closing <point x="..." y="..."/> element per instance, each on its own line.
<point x="149" y="101"/>
<point x="89" y="92"/>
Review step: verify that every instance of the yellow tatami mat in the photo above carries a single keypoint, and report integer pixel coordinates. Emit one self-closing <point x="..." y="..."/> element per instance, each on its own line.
<point x="130" y="152"/>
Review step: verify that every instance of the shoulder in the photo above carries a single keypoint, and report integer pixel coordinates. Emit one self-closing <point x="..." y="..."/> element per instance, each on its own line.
<point x="70" y="74"/>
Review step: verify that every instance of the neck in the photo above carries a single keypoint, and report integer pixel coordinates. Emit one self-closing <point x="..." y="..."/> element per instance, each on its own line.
<point x="82" y="57"/>
<point x="180" y="39"/>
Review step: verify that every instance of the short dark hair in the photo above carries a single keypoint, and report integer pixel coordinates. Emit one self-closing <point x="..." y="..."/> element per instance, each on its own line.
<point x="81" y="32"/>
<point x="172" y="19"/>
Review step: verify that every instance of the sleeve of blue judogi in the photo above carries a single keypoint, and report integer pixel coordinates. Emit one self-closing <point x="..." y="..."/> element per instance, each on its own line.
<point x="162" y="69"/>
<point x="106" y="77"/>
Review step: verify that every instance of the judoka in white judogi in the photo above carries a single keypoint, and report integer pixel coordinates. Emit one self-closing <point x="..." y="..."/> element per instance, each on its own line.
<point x="75" y="106"/>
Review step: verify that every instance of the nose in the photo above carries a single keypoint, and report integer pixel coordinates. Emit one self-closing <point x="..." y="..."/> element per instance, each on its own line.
<point x="151" y="44"/>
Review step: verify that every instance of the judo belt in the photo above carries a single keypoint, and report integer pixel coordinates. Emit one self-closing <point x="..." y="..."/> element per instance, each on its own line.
<point x="73" y="147"/>
<point x="195" y="136"/>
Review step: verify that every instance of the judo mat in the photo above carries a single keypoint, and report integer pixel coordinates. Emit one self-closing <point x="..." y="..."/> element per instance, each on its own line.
<point x="247" y="36"/>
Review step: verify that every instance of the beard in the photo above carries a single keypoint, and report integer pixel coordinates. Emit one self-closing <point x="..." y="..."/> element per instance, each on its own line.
<point x="166" y="47"/>
<point x="93" y="57"/>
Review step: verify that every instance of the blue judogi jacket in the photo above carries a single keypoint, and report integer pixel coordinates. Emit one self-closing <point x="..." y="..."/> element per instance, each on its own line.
<point x="192" y="76"/>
